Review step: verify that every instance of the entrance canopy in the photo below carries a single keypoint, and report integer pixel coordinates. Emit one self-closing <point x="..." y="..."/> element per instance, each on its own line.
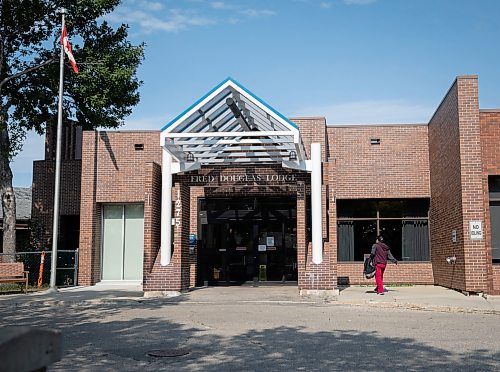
<point x="232" y="125"/>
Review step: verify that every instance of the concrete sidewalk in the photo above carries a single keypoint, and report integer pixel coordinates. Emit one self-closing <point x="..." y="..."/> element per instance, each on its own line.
<point x="421" y="297"/>
<point x="430" y="298"/>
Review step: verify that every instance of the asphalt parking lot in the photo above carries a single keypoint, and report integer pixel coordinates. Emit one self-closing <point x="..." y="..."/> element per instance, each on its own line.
<point x="267" y="327"/>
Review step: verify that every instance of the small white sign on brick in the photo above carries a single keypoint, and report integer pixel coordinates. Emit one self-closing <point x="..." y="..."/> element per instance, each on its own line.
<point x="476" y="230"/>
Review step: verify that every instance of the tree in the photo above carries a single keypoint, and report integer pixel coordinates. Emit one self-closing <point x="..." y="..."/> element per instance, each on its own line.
<point x="101" y="95"/>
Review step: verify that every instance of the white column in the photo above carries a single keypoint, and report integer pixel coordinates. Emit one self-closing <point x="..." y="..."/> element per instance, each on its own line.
<point x="166" y="208"/>
<point x="316" y="207"/>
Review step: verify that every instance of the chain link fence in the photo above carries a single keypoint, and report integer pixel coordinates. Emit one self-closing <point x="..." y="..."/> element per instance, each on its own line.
<point x="66" y="270"/>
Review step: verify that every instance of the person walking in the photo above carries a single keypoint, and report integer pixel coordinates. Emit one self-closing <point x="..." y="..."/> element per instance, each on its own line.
<point x="380" y="254"/>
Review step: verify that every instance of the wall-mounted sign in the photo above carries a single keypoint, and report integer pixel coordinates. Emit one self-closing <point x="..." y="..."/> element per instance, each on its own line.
<point x="262" y="247"/>
<point x="454" y="236"/>
<point x="238" y="178"/>
<point x="476" y="230"/>
<point x="192" y="243"/>
<point x="270" y="241"/>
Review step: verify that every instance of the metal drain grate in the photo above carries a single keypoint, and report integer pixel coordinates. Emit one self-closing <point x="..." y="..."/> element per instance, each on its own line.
<point x="169" y="353"/>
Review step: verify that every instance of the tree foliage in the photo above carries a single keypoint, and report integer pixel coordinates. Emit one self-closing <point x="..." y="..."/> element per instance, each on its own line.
<point x="101" y="95"/>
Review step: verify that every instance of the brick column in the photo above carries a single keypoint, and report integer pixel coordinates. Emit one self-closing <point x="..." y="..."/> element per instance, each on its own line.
<point x="181" y="234"/>
<point x="89" y="253"/>
<point x="152" y="213"/>
<point x="302" y="243"/>
<point x="475" y="255"/>
<point x="313" y="279"/>
<point x="175" y="276"/>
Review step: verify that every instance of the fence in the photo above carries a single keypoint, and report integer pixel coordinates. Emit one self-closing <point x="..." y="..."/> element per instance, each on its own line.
<point x="66" y="270"/>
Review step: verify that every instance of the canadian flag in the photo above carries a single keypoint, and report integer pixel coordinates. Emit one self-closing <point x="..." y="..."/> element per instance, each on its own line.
<point x="67" y="48"/>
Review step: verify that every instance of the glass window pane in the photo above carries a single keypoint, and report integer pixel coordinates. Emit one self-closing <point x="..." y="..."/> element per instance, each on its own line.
<point x="134" y="242"/>
<point x="495" y="230"/>
<point x="360" y="208"/>
<point x="112" y="242"/>
<point x="391" y="231"/>
<point x="416" y="208"/>
<point x="355" y="239"/>
<point x="391" y="208"/>
<point x="415" y="241"/>
<point x="494" y="187"/>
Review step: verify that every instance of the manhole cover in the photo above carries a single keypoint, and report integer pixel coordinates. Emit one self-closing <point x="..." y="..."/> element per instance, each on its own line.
<point x="169" y="353"/>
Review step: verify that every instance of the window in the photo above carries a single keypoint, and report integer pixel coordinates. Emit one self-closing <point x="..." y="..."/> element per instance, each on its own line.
<point x="403" y="223"/>
<point x="494" y="189"/>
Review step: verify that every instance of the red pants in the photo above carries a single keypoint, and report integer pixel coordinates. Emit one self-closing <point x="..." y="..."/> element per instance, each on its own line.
<point x="379" y="277"/>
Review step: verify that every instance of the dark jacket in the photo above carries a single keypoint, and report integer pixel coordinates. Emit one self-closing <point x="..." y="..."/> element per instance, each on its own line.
<point x="381" y="253"/>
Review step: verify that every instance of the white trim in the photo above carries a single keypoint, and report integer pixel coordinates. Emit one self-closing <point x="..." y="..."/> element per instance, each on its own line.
<point x="316" y="205"/>
<point x="194" y="109"/>
<point x="166" y="208"/>
<point x="229" y="134"/>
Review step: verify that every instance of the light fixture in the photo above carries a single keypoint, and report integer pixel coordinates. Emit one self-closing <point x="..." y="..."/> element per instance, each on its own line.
<point x="292" y="156"/>
<point x="190" y="157"/>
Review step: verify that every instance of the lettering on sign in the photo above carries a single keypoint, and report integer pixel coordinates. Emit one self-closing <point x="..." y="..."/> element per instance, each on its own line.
<point x="232" y="178"/>
<point x="476" y="230"/>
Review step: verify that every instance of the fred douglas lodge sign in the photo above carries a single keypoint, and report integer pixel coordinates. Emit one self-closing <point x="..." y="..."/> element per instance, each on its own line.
<point x="236" y="178"/>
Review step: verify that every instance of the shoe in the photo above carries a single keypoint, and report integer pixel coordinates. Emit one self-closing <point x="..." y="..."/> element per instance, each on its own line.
<point x="380" y="293"/>
<point x="385" y="289"/>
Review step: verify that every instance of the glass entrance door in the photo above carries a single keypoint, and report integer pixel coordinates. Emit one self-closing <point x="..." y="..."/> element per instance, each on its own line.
<point x="122" y="242"/>
<point x="252" y="239"/>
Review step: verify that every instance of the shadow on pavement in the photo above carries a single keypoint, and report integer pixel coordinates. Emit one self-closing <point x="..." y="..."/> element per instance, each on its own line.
<point x="102" y="338"/>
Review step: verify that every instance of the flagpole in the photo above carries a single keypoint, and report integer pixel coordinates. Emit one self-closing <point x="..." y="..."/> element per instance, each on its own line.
<point x="55" y="228"/>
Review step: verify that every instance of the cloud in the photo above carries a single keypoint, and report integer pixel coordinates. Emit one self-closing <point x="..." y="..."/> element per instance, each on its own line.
<point x="359" y="2"/>
<point x="254" y="13"/>
<point x="150" y="5"/>
<point x="175" y="19"/>
<point x="150" y="16"/>
<point x="370" y="112"/>
<point x="220" y="5"/>
<point x="325" y="5"/>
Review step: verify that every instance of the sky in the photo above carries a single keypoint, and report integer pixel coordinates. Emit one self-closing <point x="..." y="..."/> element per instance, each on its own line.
<point x="351" y="61"/>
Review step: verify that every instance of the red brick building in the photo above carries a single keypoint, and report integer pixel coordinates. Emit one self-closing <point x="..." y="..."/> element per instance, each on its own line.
<point x="231" y="191"/>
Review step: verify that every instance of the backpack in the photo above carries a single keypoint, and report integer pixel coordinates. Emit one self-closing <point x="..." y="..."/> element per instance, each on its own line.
<point x="369" y="268"/>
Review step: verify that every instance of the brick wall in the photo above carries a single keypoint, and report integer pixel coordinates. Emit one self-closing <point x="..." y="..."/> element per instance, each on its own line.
<point x="456" y="187"/>
<point x="397" y="168"/>
<point x="152" y="216"/>
<point x="490" y="153"/>
<point x="89" y="258"/>
<point x="42" y="206"/>
<point x="472" y="186"/>
<point x="113" y="171"/>
<point x="313" y="130"/>
<point x="403" y="273"/>
<point x="120" y="171"/>
<point x="446" y="188"/>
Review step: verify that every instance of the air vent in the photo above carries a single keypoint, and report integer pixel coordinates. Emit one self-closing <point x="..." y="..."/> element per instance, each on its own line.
<point x="375" y="141"/>
<point x="139" y="146"/>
